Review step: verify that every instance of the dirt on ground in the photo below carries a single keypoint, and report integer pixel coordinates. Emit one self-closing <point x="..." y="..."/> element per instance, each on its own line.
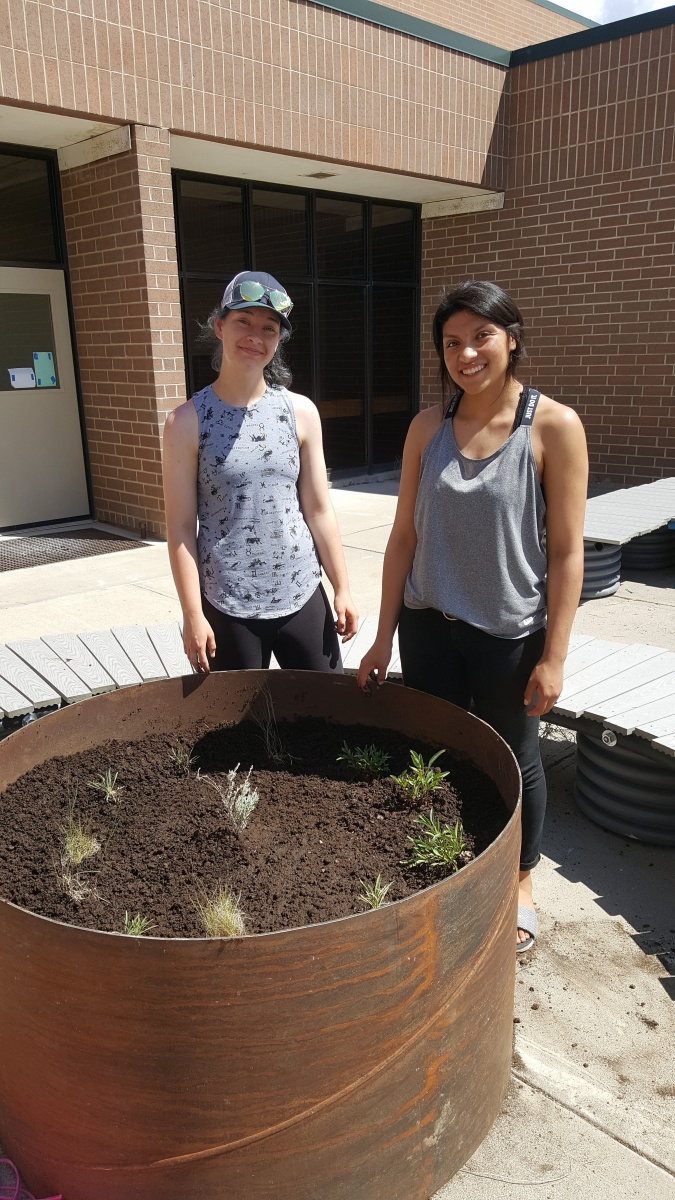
<point x="318" y="832"/>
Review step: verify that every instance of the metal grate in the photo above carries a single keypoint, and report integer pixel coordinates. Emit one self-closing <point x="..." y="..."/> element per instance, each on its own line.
<point x="16" y="553"/>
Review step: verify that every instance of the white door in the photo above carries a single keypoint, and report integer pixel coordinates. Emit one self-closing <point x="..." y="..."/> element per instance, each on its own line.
<point x="42" y="475"/>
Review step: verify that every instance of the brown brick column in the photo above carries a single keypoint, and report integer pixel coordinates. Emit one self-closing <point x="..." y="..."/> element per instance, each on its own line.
<point x="122" y="258"/>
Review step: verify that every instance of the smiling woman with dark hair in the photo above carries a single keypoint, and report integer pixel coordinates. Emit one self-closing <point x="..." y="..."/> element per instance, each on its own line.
<point x="243" y="463"/>
<point x="484" y="565"/>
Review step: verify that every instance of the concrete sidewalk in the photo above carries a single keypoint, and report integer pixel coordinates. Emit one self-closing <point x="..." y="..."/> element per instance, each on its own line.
<point x="591" y="1111"/>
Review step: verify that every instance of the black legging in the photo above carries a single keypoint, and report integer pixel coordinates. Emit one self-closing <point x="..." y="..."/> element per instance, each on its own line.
<point x="489" y="675"/>
<point x="305" y="640"/>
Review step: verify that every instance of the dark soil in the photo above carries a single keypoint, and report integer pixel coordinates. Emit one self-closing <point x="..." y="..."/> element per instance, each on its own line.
<point x="317" y="831"/>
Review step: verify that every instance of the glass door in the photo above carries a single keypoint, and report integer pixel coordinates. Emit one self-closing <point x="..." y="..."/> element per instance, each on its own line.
<point x="42" y="471"/>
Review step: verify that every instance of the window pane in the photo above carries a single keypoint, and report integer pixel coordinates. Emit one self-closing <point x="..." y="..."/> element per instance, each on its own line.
<point x="394" y="337"/>
<point x="393" y="242"/>
<point x="201" y="297"/>
<point x="280" y="233"/>
<point x="26" y="223"/>
<point x="340" y="244"/>
<point x="342" y="375"/>
<point x="298" y="350"/>
<point x="212" y="227"/>
<point x="27" y="352"/>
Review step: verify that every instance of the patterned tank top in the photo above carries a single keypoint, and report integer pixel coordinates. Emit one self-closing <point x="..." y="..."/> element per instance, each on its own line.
<point x="255" y="551"/>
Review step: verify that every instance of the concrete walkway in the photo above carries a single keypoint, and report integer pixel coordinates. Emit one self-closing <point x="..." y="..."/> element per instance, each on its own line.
<point x="591" y="1111"/>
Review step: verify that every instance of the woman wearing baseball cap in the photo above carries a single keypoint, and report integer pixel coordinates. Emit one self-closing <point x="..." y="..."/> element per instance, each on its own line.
<point x="249" y="518"/>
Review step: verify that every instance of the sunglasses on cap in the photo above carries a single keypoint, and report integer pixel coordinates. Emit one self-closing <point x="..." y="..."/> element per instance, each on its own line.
<point x="249" y="291"/>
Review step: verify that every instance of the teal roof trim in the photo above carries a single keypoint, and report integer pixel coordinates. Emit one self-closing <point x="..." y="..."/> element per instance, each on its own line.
<point x="390" y="18"/>
<point x="566" y="12"/>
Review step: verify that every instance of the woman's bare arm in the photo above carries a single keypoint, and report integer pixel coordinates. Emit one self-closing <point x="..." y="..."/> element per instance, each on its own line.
<point x="400" y="551"/>
<point x="565" y="482"/>
<point x="320" y="516"/>
<point x="180" y="499"/>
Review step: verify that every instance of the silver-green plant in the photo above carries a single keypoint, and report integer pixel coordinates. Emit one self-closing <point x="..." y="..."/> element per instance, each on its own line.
<point x="183" y="758"/>
<point x="374" y="894"/>
<point x="238" y="797"/>
<point x="107" y="783"/>
<point x="220" y="913"/>
<point x="137" y="926"/>
<point x="420" y="779"/>
<point x="437" y="846"/>
<point x="367" y="760"/>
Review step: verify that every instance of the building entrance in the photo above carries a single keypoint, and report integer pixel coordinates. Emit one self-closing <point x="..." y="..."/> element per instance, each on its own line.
<point x="42" y="474"/>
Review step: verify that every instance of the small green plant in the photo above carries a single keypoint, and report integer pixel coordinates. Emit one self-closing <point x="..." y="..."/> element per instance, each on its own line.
<point x="367" y="760"/>
<point x="373" y="894"/>
<point x="107" y="783"/>
<point x="220" y="914"/>
<point x="420" y="779"/>
<point x="183" y="758"/>
<point x="238" y="797"/>
<point x="138" y="925"/>
<point x="269" y="731"/>
<point x="436" y="846"/>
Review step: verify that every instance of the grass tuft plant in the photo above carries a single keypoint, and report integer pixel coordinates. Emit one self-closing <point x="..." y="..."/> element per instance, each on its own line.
<point x="238" y="797"/>
<point x="77" y="845"/>
<point x="437" y="846"/>
<point x="367" y="760"/>
<point x="183" y="758"/>
<point x="220" y="914"/>
<point x="107" y="783"/>
<point x="269" y="731"/>
<point x="420" y="779"/>
<point x="137" y="926"/>
<point x="373" y="894"/>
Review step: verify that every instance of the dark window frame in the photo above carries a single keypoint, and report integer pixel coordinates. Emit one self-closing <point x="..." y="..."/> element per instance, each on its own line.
<point x="312" y="281"/>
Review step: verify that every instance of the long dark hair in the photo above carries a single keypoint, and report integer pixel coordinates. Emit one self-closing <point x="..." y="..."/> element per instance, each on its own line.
<point x="277" y="373"/>
<point x="485" y="299"/>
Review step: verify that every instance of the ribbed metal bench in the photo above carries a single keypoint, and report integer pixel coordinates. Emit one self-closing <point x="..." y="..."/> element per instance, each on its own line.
<point x="635" y="519"/>
<point x="619" y="698"/>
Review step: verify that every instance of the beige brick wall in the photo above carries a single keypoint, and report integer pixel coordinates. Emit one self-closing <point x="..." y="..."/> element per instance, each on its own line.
<point x="285" y="76"/>
<point x="510" y="25"/>
<point x="585" y="244"/>
<point x="121" y="249"/>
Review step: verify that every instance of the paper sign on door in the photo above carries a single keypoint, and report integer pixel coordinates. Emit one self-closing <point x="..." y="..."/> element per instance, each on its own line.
<point x="43" y="366"/>
<point x="21" y="377"/>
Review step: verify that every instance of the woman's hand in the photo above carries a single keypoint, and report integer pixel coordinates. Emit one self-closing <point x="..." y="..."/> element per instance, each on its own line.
<point x="547" y="681"/>
<point x="199" y="642"/>
<point x="374" y="664"/>
<point x="347" y="615"/>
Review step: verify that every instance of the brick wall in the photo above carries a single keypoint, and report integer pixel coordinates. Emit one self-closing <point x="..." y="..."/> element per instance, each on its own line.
<point x="121" y="249"/>
<point x="585" y="244"/>
<point x="293" y="77"/>
<point x="518" y="23"/>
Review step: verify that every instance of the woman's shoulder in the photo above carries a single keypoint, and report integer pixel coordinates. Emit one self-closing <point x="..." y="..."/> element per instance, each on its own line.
<point x="424" y="426"/>
<point x="182" y="419"/>
<point x="555" y="418"/>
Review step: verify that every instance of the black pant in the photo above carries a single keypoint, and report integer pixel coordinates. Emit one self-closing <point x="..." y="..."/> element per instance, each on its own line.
<point x="488" y="675"/>
<point x="305" y="640"/>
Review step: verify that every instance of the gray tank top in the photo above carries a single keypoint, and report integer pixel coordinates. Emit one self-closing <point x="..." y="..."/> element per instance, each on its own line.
<point x="480" y="532"/>
<point x="255" y="551"/>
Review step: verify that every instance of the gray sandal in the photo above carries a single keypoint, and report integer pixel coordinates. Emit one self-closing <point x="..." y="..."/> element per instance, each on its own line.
<point x="527" y="920"/>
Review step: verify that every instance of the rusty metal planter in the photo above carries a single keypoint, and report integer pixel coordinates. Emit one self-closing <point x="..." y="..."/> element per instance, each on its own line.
<point x="360" y="1059"/>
